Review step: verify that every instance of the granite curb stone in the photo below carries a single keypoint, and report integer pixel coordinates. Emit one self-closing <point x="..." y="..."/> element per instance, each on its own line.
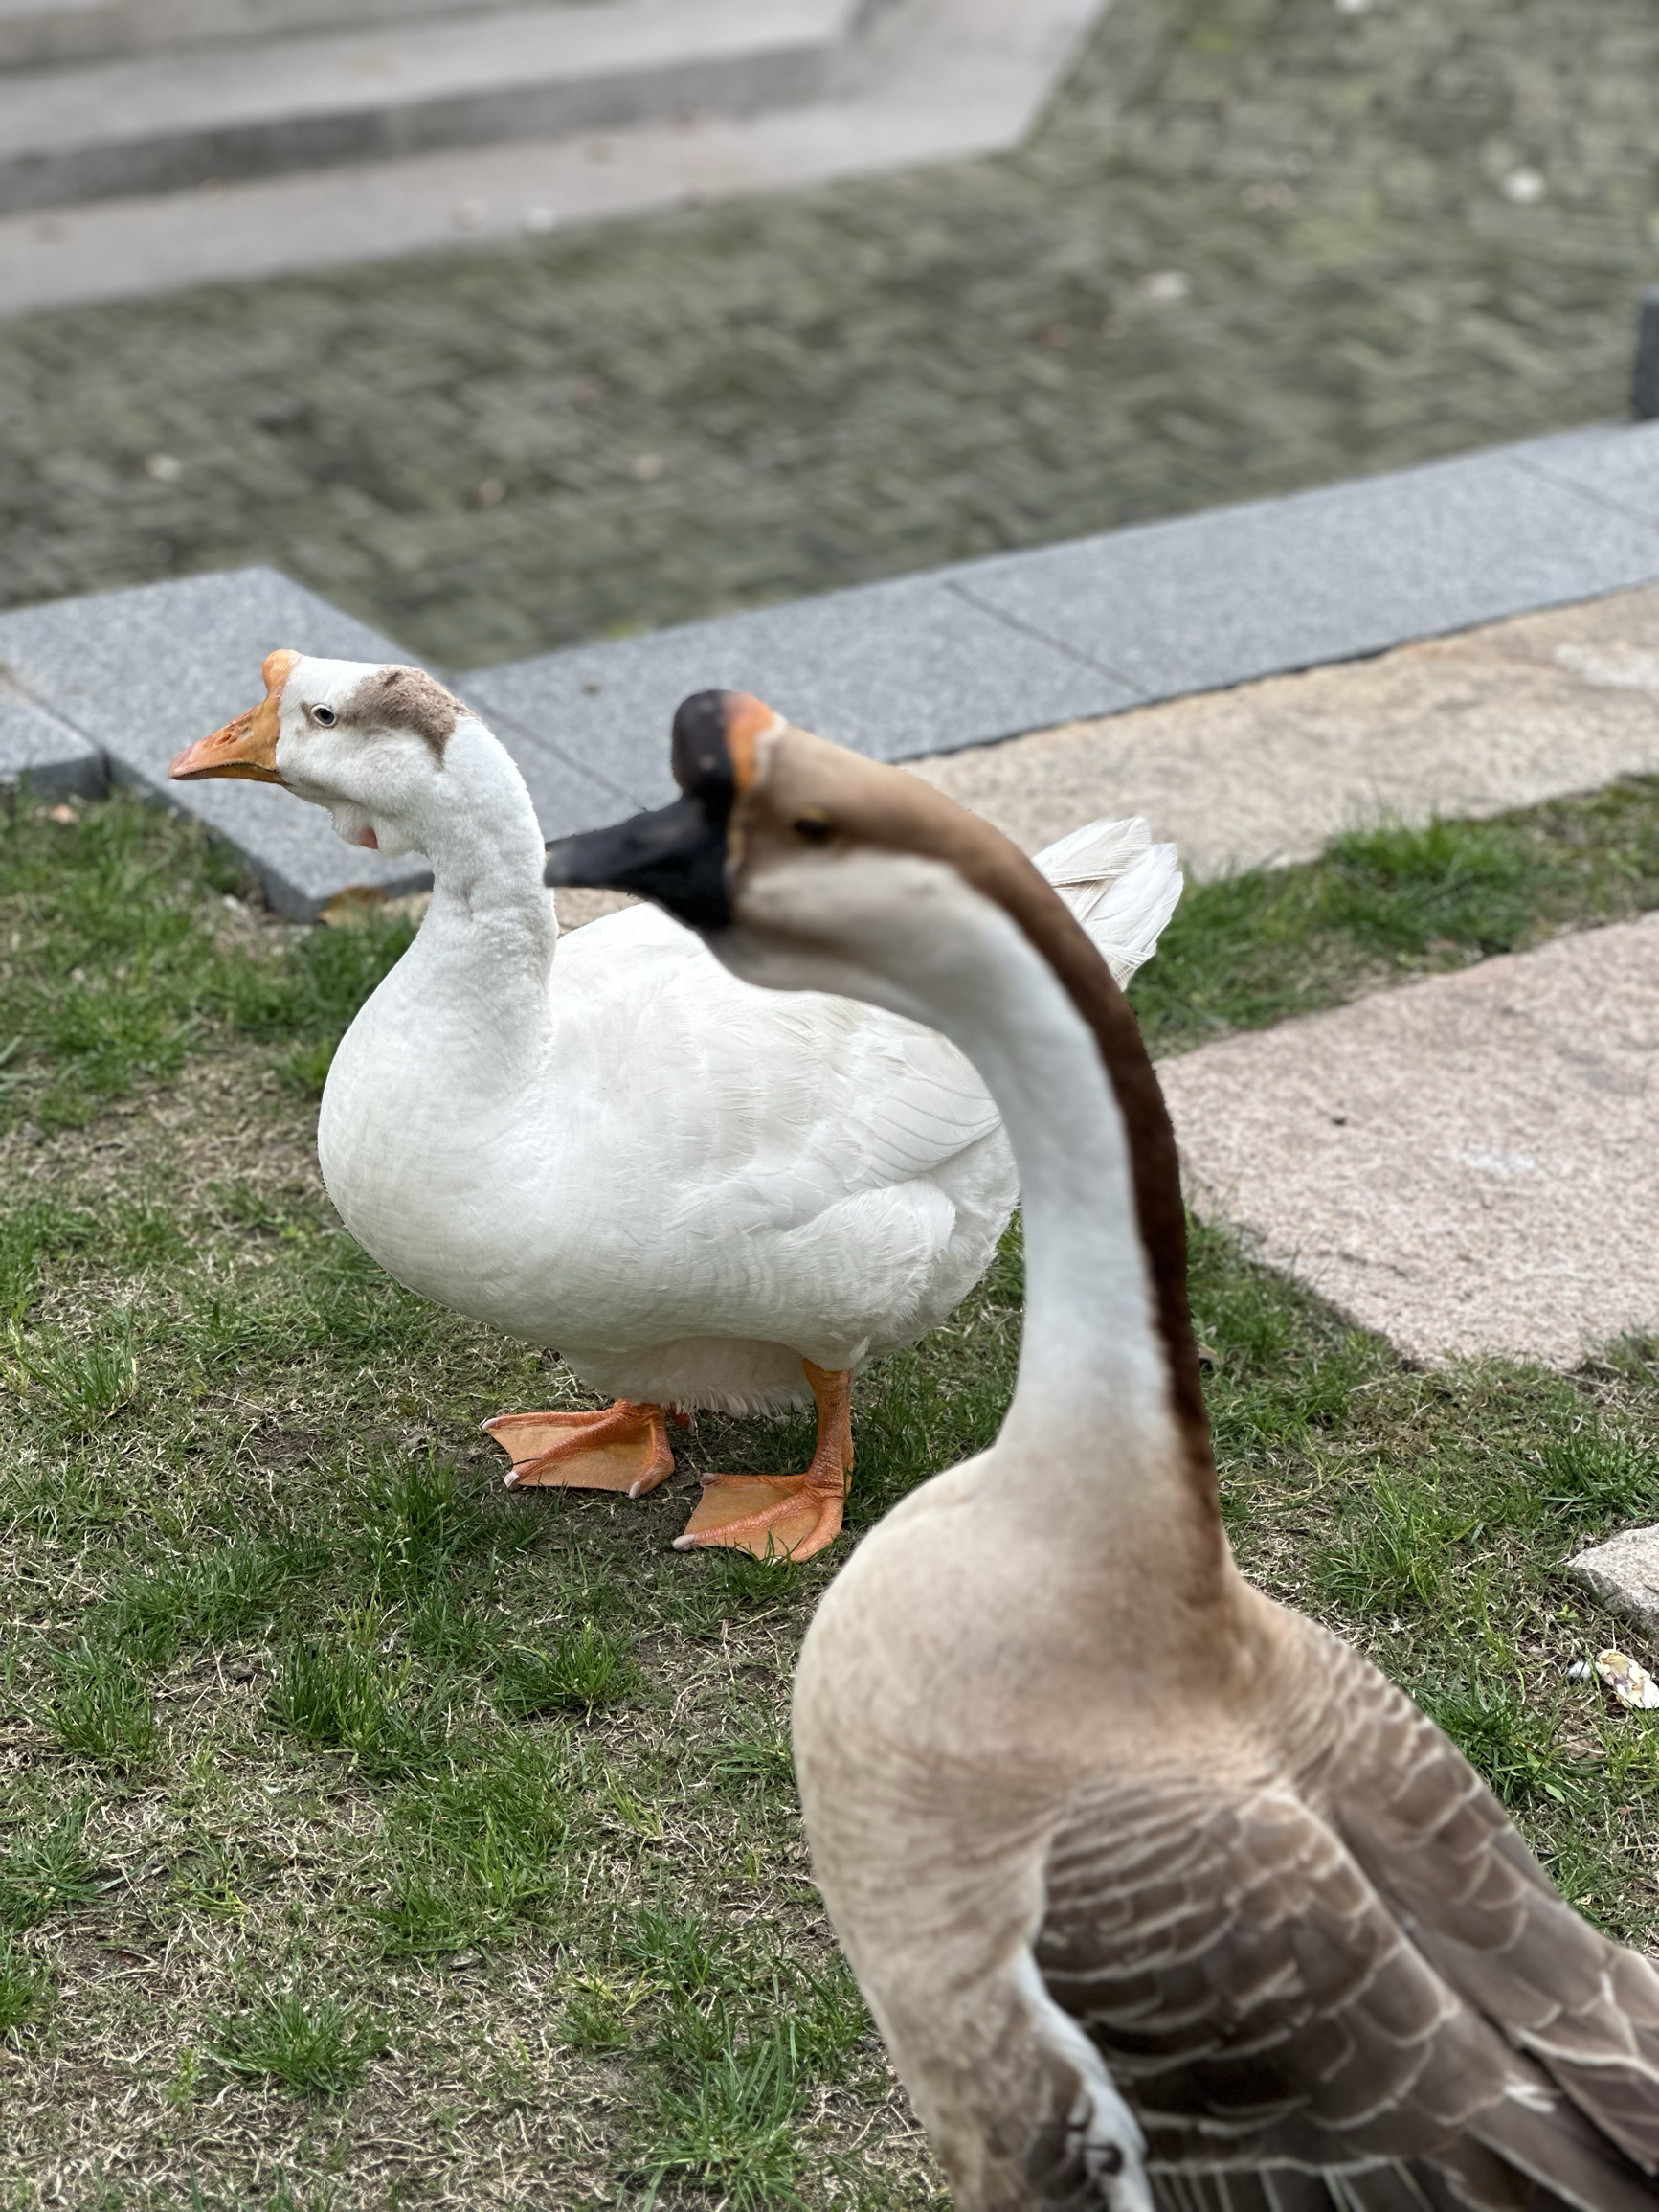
<point x="919" y="669"/>
<point x="137" y="674"/>
<point x="36" y="748"/>
<point x="1106" y="622"/>
<point x="1620" y="468"/>
<point x="1350" y="570"/>
<point x="896" y="671"/>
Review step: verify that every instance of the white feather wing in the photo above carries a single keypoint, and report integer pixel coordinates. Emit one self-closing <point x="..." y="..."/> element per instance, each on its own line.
<point x="1121" y="887"/>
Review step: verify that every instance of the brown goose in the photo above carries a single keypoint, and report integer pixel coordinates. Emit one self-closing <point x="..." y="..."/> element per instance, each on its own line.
<point x="1152" y="1886"/>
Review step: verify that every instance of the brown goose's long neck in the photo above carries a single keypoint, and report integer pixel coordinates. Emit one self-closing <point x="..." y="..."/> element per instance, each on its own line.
<point x="1107" y="1428"/>
<point x="928" y="910"/>
<point x="1094" y="1404"/>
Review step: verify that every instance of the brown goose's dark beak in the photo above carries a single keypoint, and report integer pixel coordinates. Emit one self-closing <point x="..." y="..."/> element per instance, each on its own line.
<point x="676" y="855"/>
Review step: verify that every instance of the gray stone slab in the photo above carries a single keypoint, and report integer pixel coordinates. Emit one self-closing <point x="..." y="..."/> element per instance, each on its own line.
<point x="140" y="673"/>
<point x="1619" y="466"/>
<point x="1325" y="575"/>
<point x="893" y="669"/>
<point x="1466" y="1164"/>
<point x="1623" y="1573"/>
<point x="37" y="747"/>
<point x="567" y="796"/>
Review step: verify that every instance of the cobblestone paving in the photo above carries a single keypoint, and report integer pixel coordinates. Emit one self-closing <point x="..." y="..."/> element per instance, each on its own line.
<point x="1257" y="244"/>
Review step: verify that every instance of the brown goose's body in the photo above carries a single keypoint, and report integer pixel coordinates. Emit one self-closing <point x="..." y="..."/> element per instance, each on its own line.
<point x="1150" y="1882"/>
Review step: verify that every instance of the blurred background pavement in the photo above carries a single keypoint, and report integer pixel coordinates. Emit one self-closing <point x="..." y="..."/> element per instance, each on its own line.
<point x="1251" y="245"/>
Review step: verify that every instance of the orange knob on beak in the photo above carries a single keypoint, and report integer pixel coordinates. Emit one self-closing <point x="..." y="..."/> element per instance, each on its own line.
<point x="246" y="747"/>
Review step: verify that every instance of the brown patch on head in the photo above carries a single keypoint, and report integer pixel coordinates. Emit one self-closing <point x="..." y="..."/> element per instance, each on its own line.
<point x="403" y="699"/>
<point x="803" y="778"/>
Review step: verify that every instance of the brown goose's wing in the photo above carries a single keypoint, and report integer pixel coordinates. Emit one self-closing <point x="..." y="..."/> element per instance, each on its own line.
<point x="1269" y="2018"/>
<point x="1439" y="1850"/>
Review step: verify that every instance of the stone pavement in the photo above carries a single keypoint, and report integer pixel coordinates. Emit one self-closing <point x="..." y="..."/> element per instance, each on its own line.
<point x="954" y="657"/>
<point x="1257" y="244"/>
<point x="1498" y="718"/>
<point x="1467" y="1165"/>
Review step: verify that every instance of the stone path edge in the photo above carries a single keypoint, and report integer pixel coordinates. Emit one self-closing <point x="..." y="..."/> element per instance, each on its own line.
<point x="920" y="667"/>
<point x="994" y="648"/>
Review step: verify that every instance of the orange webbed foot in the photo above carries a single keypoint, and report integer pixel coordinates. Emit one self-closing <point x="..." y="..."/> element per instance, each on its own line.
<point x="625" y="1447"/>
<point x="783" y="1516"/>
<point x="774" y="1516"/>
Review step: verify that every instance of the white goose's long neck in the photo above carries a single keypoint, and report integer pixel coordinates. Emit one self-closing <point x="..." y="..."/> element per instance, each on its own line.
<point x="482" y="961"/>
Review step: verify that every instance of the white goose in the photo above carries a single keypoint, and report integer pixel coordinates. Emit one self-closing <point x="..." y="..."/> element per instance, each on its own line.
<point x="1154" y="1888"/>
<point x="702" y="1195"/>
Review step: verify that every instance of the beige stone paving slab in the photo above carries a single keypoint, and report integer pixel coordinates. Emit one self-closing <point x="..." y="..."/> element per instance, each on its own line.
<point x="1502" y="716"/>
<point x="1467" y="1164"/>
<point x="1623" y="1573"/>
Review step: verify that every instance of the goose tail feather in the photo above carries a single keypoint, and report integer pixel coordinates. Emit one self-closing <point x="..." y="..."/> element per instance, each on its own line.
<point x="1121" y="887"/>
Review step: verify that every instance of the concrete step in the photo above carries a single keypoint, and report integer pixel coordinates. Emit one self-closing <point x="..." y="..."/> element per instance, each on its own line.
<point x="52" y="34"/>
<point x="164" y="122"/>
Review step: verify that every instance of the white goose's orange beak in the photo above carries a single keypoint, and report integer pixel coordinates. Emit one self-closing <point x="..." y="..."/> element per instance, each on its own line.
<point x="246" y="747"/>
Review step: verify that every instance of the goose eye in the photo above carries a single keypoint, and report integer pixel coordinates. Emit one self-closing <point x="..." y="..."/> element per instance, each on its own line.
<point x="812" y="829"/>
<point x="324" y="716"/>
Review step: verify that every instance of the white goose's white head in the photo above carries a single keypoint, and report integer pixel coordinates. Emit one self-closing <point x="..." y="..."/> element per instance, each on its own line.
<point x="371" y="743"/>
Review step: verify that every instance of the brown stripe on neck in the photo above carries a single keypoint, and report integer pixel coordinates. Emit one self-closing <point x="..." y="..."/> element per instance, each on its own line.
<point x="884" y="806"/>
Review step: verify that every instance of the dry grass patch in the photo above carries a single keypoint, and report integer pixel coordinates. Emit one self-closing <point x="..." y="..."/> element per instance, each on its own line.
<point x="401" y="1833"/>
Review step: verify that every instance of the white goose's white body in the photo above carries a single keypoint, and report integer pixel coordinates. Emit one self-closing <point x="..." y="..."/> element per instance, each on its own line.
<point x="619" y="1158"/>
<point x="607" y="1144"/>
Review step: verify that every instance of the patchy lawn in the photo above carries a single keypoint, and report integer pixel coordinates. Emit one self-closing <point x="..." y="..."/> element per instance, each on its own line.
<point x="372" y="1835"/>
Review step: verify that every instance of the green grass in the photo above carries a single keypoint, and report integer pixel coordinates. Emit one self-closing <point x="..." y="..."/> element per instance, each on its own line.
<point x="45" y="1867"/>
<point x="116" y="964"/>
<point x="1388" y="903"/>
<point x="316" y="2049"/>
<point x="25" y="1990"/>
<point x="373" y="1829"/>
<point x="99" y="1703"/>
<point x="586" y="1667"/>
